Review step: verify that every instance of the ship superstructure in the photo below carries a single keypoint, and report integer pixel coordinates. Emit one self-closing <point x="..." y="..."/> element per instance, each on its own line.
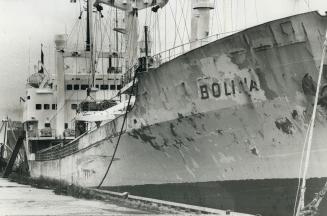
<point x="220" y="124"/>
<point x="51" y="105"/>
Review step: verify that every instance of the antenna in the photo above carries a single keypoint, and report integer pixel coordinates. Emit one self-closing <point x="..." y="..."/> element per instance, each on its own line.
<point x="146" y="41"/>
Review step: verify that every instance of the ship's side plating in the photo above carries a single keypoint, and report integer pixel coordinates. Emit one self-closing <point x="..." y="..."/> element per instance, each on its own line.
<point x="234" y="110"/>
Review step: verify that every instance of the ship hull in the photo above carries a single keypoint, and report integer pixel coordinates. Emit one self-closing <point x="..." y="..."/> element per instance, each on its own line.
<point x="221" y="126"/>
<point x="205" y="170"/>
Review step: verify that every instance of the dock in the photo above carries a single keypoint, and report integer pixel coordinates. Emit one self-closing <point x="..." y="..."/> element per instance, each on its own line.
<point x="17" y="199"/>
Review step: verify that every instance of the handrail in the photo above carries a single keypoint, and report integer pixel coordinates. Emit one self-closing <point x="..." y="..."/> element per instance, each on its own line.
<point x="41" y="133"/>
<point x="57" y="151"/>
<point x="186" y="47"/>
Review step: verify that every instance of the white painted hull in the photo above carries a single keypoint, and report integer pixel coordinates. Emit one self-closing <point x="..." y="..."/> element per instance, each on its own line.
<point x="182" y="131"/>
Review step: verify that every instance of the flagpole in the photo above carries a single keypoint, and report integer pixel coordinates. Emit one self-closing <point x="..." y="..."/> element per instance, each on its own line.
<point x="42" y="60"/>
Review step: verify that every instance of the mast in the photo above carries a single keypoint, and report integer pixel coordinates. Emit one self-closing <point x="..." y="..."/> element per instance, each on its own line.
<point x="87" y="48"/>
<point x="117" y="43"/>
<point x="146" y="41"/>
<point x="91" y="39"/>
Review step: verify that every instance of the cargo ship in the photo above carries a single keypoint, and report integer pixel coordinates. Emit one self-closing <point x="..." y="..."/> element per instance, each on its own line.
<point x="218" y="123"/>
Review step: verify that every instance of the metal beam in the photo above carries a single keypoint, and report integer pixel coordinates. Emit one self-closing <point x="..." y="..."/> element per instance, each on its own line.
<point x="13" y="156"/>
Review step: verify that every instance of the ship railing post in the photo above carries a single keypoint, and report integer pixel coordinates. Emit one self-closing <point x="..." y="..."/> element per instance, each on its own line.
<point x="165" y="56"/>
<point x="173" y="54"/>
<point x="169" y="55"/>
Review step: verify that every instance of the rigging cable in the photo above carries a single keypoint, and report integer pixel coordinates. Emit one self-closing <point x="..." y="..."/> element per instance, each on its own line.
<point x="131" y="42"/>
<point x="219" y="22"/>
<point x="178" y="26"/>
<point x="158" y="29"/>
<point x="165" y="28"/>
<point x="311" y="128"/>
<point x="73" y="29"/>
<point x="101" y="54"/>
<point x="307" y="2"/>
<point x="156" y="34"/>
<point x="187" y="16"/>
<point x="244" y="8"/>
<point x="256" y="10"/>
<point x="235" y="12"/>
<point x="224" y="15"/>
<point x="76" y="63"/>
<point x="188" y="36"/>
<point x="300" y="170"/>
<point x="102" y="57"/>
<point x="231" y="15"/>
<point x="176" y="29"/>
<point x="212" y="17"/>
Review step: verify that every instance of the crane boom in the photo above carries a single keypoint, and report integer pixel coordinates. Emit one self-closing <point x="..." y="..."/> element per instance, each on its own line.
<point x="129" y="5"/>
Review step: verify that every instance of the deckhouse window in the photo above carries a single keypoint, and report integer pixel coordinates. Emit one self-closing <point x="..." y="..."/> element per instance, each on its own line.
<point x="28" y="97"/>
<point x="112" y="87"/>
<point x="104" y="87"/>
<point x="118" y="87"/>
<point x="84" y="87"/>
<point x="74" y="106"/>
<point x="69" y="87"/>
<point x="76" y="87"/>
<point x="54" y="106"/>
<point x="38" y="106"/>
<point x="46" y="106"/>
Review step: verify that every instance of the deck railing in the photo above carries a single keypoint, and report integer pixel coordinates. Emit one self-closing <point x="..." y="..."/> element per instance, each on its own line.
<point x="57" y="151"/>
<point x="174" y="52"/>
<point x="41" y="134"/>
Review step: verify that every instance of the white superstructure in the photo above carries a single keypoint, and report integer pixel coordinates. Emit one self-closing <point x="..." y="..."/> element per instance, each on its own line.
<point x="50" y="110"/>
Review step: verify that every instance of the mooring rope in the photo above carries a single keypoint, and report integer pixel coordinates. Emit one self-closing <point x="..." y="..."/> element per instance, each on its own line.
<point x="120" y="133"/>
<point x="311" y="128"/>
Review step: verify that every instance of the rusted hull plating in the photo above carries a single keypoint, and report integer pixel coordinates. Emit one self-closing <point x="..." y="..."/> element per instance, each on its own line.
<point x="232" y="111"/>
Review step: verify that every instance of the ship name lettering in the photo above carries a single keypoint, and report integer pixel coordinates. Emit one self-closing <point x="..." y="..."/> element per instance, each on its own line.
<point x="227" y="88"/>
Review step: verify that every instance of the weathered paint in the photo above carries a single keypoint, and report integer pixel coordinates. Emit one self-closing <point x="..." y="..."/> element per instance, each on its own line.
<point x="175" y="135"/>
